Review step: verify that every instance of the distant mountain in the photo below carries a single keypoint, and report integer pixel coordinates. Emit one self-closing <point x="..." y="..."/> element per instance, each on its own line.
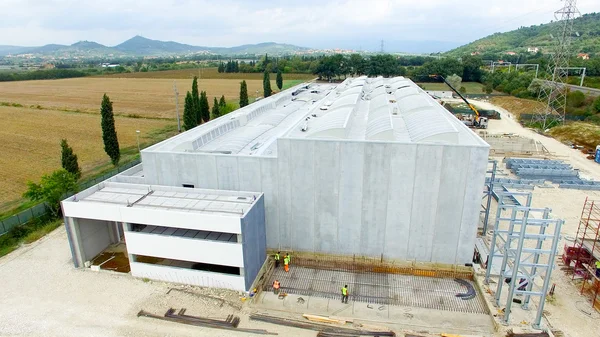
<point x="5" y="50"/>
<point x="586" y="38"/>
<point x="139" y="45"/>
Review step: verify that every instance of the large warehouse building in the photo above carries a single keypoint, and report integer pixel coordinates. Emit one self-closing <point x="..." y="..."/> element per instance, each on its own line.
<point x="369" y="167"/>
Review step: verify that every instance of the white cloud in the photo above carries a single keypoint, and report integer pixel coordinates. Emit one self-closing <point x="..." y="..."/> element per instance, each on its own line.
<point x="230" y="22"/>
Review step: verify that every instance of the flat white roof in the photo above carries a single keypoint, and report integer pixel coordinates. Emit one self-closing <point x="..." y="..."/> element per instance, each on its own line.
<point x="228" y="203"/>
<point x="360" y="109"/>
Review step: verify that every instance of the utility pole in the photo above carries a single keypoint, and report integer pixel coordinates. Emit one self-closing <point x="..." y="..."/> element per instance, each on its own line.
<point x="177" y="105"/>
<point x="554" y="88"/>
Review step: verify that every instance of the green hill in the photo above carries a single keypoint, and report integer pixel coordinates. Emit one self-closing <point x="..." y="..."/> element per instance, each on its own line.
<point x="586" y="38"/>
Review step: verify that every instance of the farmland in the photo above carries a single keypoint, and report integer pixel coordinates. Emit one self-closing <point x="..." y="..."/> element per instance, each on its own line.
<point x="136" y="97"/>
<point x="30" y="143"/>
<point x="37" y="114"/>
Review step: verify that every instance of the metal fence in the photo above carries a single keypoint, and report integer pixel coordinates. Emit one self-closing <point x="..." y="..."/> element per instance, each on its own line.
<point x="40" y="209"/>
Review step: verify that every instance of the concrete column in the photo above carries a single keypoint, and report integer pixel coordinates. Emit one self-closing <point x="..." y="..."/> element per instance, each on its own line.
<point x="77" y="252"/>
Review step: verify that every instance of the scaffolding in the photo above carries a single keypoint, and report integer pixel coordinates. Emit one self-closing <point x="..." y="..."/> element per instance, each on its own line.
<point x="586" y="250"/>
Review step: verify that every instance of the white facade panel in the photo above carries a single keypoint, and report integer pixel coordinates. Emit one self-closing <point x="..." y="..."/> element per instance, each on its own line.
<point x="187" y="276"/>
<point x="181" y="248"/>
<point x="148" y="216"/>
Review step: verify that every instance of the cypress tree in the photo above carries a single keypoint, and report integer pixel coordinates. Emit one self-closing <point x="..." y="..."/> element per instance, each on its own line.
<point x="189" y="115"/>
<point x="215" y="109"/>
<point x="109" y="133"/>
<point x="69" y="159"/>
<point x="222" y="102"/>
<point x="243" y="94"/>
<point x="279" y="80"/>
<point x="196" y="101"/>
<point x="267" y="84"/>
<point x="204" y="108"/>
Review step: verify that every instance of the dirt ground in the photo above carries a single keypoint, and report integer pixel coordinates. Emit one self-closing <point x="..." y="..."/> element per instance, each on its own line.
<point x="153" y="98"/>
<point x="570" y="312"/>
<point x="30" y="141"/>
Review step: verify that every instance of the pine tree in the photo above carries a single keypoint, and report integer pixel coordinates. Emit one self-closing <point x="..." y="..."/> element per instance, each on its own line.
<point x="196" y="101"/>
<point x="189" y="115"/>
<point x="204" y="108"/>
<point x="69" y="159"/>
<point x="109" y="133"/>
<point x="215" y="109"/>
<point x="222" y="102"/>
<point x="243" y="94"/>
<point x="267" y="84"/>
<point x="279" y="80"/>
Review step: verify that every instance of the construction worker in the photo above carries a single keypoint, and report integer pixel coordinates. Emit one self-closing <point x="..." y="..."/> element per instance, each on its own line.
<point x="598" y="268"/>
<point x="276" y="287"/>
<point x="277" y="259"/>
<point x="286" y="262"/>
<point x="289" y="255"/>
<point x="345" y="294"/>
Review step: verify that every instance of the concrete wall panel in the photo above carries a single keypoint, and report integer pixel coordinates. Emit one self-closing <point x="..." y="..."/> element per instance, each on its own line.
<point x="326" y="191"/>
<point x="455" y="161"/>
<point x="350" y="200"/>
<point x="472" y="205"/>
<point x="187" y="276"/>
<point x="269" y="178"/>
<point x="424" y="207"/>
<point x="302" y="176"/>
<point x="375" y="198"/>
<point x="284" y="193"/>
<point x="400" y="199"/>
<point x="206" y="165"/>
<point x="227" y="173"/>
<point x="94" y="236"/>
<point x="185" y="249"/>
<point x="254" y="241"/>
<point x="249" y="173"/>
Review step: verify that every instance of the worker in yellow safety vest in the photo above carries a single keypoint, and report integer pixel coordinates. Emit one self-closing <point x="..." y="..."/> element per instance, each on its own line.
<point x="276" y="287"/>
<point x="598" y="268"/>
<point x="345" y="294"/>
<point x="286" y="263"/>
<point x="277" y="259"/>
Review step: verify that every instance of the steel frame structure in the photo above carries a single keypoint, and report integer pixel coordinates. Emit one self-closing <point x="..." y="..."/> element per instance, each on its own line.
<point x="588" y="239"/>
<point x="488" y="193"/>
<point x="524" y="265"/>
<point x="537" y="67"/>
<point x="494" y="64"/>
<point x="582" y="72"/>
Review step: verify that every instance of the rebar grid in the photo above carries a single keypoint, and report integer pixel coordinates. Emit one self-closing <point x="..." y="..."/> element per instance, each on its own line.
<point x="377" y="288"/>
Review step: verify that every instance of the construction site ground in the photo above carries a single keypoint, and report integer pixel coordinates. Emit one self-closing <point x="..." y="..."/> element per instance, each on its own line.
<point x="44" y="295"/>
<point x="569" y="311"/>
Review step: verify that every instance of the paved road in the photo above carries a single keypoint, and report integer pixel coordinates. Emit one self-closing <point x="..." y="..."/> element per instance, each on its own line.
<point x="585" y="90"/>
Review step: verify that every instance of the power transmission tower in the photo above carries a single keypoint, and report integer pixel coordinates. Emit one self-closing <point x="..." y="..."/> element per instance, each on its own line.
<point x="177" y="105"/>
<point x="553" y="89"/>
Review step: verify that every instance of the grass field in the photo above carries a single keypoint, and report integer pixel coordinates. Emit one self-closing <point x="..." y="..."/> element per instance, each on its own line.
<point x="148" y="98"/>
<point x="206" y="73"/>
<point x="472" y="87"/>
<point x="30" y="141"/>
<point x="580" y="133"/>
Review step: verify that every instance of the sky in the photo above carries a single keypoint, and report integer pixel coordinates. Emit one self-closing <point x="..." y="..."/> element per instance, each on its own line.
<point x="427" y="25"/>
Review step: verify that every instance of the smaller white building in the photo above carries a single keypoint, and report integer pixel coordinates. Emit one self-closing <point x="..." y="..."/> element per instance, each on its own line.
<point x="209" y="238"/>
